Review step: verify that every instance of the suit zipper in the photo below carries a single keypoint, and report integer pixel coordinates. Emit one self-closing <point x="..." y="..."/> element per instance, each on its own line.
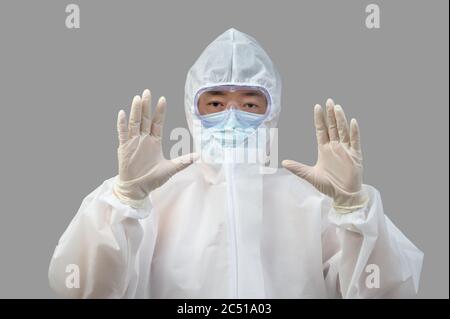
<point x="231" y="196"/>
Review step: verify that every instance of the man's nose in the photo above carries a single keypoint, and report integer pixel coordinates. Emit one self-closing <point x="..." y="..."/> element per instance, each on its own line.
<point x="232" y="105"/>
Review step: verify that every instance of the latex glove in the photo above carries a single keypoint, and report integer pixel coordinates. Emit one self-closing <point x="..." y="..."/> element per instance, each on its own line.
<point x="338" y="171"/>
<point x="142" y="166"/>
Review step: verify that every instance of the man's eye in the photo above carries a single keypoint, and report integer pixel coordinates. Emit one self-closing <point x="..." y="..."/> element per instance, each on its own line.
<point x="215" y="104"/>
<point x="251" y="105"/>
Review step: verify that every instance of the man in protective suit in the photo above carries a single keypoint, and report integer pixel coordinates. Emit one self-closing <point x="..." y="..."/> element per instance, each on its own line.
<point x="204" y="226"/>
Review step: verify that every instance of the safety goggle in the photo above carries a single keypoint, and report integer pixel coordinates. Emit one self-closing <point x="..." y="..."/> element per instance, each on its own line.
<point x="233" y="88"/>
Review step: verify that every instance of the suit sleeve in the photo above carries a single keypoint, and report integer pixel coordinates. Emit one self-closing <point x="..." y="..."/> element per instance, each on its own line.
<point x="97" y="256"/>
<point x="367" y="256"/>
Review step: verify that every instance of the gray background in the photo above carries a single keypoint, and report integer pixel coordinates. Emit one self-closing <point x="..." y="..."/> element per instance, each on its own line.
<point x="61" y="90"/>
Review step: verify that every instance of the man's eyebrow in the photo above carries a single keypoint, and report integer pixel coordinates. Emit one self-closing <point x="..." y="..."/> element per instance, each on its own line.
<point x="252" y="93"/>
<point x="215" y="93"/>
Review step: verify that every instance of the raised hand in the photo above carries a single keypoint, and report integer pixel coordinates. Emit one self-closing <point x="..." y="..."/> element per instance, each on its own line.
<point x="338" y="171"/>
<point x="142" y="166"/>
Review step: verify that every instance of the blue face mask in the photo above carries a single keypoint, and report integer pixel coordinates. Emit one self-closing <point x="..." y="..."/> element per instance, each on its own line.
<point x="230" y="127"/>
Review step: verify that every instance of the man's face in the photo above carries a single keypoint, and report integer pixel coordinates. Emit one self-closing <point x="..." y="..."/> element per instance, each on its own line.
<point x="252" y="101"/>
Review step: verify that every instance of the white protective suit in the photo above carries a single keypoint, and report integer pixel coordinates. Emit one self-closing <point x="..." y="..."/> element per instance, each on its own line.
<point x="228" y="231"/>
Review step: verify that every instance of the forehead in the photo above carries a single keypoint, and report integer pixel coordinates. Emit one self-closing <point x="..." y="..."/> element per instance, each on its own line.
<point x="228" y="93"/>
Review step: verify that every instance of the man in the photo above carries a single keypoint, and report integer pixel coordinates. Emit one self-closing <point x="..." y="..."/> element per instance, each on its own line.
<point x="222" y="229"/>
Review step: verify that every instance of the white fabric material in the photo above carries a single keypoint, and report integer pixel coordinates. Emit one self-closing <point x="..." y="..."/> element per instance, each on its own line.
<point x="226" y="230"/>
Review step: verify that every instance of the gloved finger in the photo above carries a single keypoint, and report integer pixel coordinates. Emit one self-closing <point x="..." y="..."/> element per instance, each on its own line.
<point x="182" y="162"/>
<point x="146" y="112"/>
<point x="122" y="129"/>
<point x="321" y="127"/>
<point x="299" y="169"/>
<point x="331" y="119"/>
<point x="134" y="125"/>
<point x="355" y="142"/>
<point x="158" y="118"/>
<point x="342" y="124"/>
